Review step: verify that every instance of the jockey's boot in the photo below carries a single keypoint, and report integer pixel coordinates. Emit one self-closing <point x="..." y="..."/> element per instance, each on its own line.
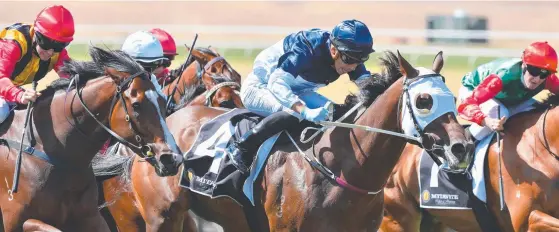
<point x="242" y="151"/>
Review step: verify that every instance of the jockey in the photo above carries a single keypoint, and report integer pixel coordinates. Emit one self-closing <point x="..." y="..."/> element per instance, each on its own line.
<point x="143" y="47"/>
<point x="29" y="52"/>
<point x="286" y="75"/>
<point x="169" y="51"/>
<point x="504" y="87"/>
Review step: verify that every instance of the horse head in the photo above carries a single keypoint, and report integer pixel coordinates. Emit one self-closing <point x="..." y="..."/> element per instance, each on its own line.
<point x="207" y="79"/>
<point x="136" y="116"/>
<point x="429" y="112"/>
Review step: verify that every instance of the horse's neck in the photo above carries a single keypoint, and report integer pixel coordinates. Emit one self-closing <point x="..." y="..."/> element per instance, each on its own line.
<point x="376" y="153"/>
<point x="186" y="79"/>
<point x="549" y="138"/>
<point x="74" y="135"/>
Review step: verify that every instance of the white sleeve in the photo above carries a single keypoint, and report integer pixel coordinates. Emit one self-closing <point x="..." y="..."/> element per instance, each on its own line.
<point x="279" y="85"/>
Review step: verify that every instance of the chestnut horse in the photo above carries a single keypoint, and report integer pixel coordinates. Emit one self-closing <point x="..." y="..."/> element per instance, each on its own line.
<point x="109" y="96"/>
<point x="119" y="199"/>
<point x="293" y="195"/>
<point x="191" y="73"/>
<point x="530" y="173"/>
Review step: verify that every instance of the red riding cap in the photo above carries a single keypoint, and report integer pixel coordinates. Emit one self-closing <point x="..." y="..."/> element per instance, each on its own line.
<point x="56" y="23"/>
<point x="166" y="40"/>
<point x="541" y="55"/>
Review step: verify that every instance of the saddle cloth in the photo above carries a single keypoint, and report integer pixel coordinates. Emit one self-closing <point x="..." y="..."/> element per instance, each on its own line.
<point x="439" y="189"/>
<point x="207" y="170"/>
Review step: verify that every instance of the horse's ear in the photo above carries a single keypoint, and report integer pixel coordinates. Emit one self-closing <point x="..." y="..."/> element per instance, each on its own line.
<point x="405" y="68"/>
<point x="114" y="74"/>
<point x="187" y="48"/>
<point x="198" y="56"/>
<point x="438" y="62"/>
<point x="213" y="50"/>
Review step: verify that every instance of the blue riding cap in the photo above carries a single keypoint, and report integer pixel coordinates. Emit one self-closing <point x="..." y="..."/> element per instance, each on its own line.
<point x="352" y="37"/>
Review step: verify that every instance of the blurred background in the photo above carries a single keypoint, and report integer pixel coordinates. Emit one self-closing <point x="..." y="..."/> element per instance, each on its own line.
<point x="469" y="33"/>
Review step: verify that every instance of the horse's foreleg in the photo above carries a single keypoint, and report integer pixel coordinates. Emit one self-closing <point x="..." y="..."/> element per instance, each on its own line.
<point x="33" y="225"/>
<point x="540" y="221"/>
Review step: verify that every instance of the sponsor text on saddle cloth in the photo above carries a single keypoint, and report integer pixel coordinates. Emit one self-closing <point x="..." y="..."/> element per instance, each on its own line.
<point x="439" y="189"/>
<point x="209" y="171"/>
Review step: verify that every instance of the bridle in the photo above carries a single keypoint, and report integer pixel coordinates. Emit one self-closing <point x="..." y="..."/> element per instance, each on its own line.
<point x="421" y="133"/>
<point x="142" y="149"/>
<point x="416" y="139"/>
<point x="210" y="93"/>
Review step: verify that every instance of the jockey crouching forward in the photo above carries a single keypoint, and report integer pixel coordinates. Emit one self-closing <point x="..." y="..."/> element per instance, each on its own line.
<point x="285" y="76"/>
<point x="508" y="84"/>
<point x="29" y="52"/>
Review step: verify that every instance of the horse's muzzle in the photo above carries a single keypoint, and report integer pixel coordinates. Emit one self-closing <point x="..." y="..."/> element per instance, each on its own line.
<point x="170" y="163"/>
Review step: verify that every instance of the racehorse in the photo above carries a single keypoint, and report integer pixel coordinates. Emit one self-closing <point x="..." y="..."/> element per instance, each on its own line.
<point x="294" y="196"/>
<point x="108" y="96"/>
<point x="191" y="73"/>
<point x="119" y="199"/>
<point x="530" y="177"/>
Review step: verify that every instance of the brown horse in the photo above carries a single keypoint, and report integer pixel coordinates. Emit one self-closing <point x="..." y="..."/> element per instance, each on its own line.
<point x="109" y="96"/>
<point x="294" y="196"/>
<point x="120" y="201"/>
<point x="530" y="173"/>
<point x="191" y="73"/>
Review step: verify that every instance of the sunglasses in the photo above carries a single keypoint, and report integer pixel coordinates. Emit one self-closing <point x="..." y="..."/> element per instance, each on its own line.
<point x="167" y="63"/>
<point x="46" y="43"/>
<point x="349" y="59"/>
<point x="538" y="72"/>
<point x="152" y="65"/>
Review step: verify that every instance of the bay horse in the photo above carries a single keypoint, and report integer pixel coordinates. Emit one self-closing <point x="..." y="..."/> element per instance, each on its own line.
<point x="108" y="96"/>
<point x="191" y="73"/>
<point x="118" y="201"/>
<point x="293" y="195"/>
<point x="530" y="173"/>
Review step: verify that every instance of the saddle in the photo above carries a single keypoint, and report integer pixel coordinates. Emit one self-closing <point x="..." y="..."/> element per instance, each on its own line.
<point x="209" y="171"/>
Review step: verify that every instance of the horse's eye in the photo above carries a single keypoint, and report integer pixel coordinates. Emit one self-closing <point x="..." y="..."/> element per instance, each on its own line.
<point x="424" y="103"/>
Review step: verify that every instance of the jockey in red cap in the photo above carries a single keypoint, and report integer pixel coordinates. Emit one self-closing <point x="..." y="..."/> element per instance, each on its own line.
<point x="29" y="52"/>
<point x="508" y="84"/>
<point x="169" y="51"/>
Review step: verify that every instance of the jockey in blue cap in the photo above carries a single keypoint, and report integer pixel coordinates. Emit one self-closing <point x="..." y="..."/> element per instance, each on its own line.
<point x="285" y="76"/>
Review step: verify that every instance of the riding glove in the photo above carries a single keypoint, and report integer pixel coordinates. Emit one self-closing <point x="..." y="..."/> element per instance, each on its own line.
<point x="315" y="115"/>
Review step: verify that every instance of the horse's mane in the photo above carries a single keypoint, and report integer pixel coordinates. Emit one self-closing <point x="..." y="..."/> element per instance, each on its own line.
<point x="83" y="71"/>
<point x="191" y="92"/>
<point x="371" y="88"/>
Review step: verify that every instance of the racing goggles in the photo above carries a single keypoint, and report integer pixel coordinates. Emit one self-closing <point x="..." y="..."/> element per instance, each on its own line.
<point x="46" y="43"/>
<point x="350" y="58"/>
<point x="538" y="72"/>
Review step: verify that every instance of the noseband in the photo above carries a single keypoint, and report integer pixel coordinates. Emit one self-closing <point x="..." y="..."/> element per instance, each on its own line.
<point x="210" y="93"/>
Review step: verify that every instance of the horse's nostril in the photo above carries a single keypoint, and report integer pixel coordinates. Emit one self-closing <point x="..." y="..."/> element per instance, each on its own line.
<point x="458" y="149"/>
<point x="227" y="104"/>
<point x="167" y="159"/>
